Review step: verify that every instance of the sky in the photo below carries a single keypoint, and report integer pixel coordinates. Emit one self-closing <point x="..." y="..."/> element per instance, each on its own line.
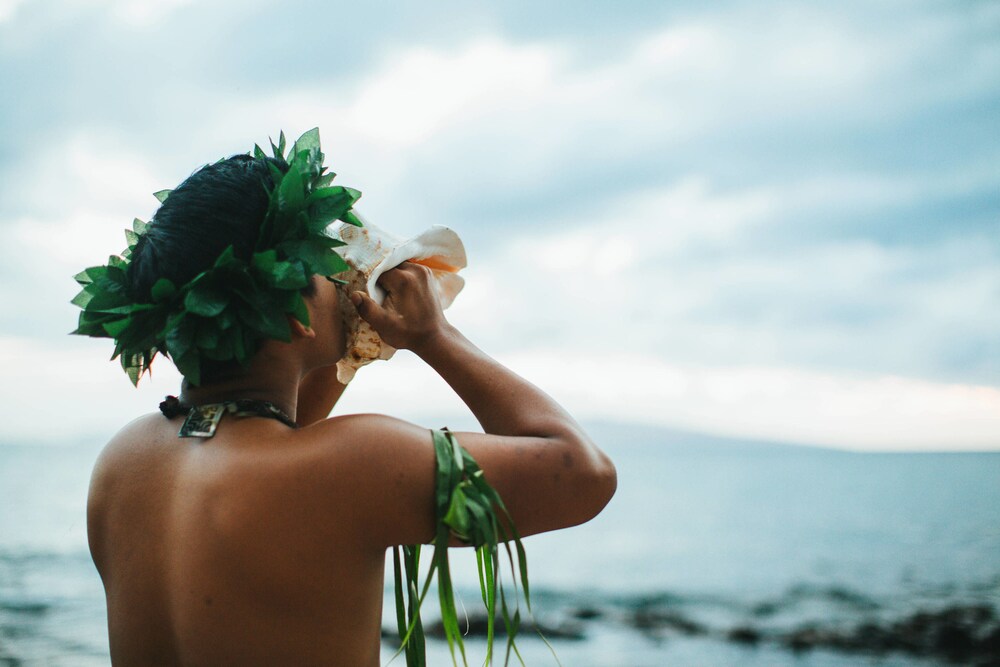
<point x="769" y="220"/>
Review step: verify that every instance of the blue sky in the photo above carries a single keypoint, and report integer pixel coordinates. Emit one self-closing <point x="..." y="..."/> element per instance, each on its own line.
<point x="762" y="219"/>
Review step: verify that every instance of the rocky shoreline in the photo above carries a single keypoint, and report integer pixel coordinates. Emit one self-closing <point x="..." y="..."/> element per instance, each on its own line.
<point x="958" y="633"/>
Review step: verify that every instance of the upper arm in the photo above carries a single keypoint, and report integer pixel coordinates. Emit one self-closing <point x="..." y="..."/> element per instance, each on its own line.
<point x="545" y="482"/>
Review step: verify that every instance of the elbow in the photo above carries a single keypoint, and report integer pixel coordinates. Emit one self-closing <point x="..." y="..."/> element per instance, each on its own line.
<point x="605" y="481"/>
<point x="595" y="486"/>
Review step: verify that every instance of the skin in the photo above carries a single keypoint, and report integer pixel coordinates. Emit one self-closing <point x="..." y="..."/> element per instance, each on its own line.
<point x="266" y="545"/>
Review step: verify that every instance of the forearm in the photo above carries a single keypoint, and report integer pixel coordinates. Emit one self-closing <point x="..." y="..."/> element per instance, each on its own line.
<point x="502" y="401"/>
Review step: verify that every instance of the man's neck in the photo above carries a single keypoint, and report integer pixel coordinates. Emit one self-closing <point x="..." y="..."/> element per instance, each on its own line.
<point x="275" y="380"/>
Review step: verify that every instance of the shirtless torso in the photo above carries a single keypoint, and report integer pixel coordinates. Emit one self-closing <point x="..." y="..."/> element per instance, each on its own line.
<point x="266" y="545"/>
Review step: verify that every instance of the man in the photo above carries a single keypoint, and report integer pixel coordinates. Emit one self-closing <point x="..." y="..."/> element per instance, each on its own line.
<point x="265" y="544"/>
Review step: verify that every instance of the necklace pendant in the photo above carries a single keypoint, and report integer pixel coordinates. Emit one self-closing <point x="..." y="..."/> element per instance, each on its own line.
<point x="202" y="421"/>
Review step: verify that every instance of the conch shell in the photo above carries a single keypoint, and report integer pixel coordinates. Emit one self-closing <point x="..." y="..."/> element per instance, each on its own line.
<point x="370" y="252"/>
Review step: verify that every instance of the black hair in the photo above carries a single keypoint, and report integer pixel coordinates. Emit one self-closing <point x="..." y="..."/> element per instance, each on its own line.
<point x="219" y="205"/>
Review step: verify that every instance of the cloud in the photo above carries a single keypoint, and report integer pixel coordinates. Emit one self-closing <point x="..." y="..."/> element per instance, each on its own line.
<point x="8" y="8"/>
<point x="786" y="187"/>
<point x="423" y="91"/>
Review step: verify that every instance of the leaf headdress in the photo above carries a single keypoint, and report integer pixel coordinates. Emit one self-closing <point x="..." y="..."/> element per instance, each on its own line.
<point x="227" y="310"/>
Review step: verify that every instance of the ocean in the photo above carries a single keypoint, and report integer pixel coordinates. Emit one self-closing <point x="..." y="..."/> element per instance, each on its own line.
<point x="713" y="552"/>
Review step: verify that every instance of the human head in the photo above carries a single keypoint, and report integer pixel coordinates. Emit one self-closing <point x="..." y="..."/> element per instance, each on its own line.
<point x="259" y="288"/>
<point x="220" y="205"/>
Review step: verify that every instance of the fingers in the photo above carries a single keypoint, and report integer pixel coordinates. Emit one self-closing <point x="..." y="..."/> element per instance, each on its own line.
<point x="404" y="274"/>
<point x="370" y="311"/>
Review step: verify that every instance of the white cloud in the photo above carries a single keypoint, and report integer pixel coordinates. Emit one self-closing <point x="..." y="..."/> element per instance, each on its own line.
<point x="421" y="91"/>
<point x="101" y="191"/>
<point x="8" y="9"/>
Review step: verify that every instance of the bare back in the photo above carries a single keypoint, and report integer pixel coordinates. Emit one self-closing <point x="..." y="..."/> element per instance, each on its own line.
<point x="228" y="551"/>
<point x="266" y="544"/>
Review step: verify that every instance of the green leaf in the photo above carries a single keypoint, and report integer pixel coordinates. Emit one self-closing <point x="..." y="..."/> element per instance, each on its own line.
<point x="114" y="328"/>
<point x="352" y="219"/>
<point x="181" y="331"/>
<point x="88" y="276"/>
<point x="190" y="366"/>
<point x="265" y="261"/>
<point x="457" y="516"/>
<point x="133" y="366"/>
<point x="290" y="195"/>
<point x="227" y="258"/>
<point x="308" y="141"/>
<point x="227" y="318"/>
<point x="163" y="289"/>
<point x="266" y="320"/>
<point x="317" y="256"/>
<point x="92" y="324"/>
<point x="289" y="275"/>
<point x="206" y="301"/>
<point x="208" y="337"/>
<point x="83" y="299"/>
<point x="258" y="153"/>
<point x="329" y="204"/>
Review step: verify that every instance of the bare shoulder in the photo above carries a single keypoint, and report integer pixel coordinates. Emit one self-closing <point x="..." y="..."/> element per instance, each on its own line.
<point x="383" y="471"/>
<point x="118" y="461"/>
<point x="369" y="451"/>
<point x="123" y="450"/>
<point x="367" y="436"/>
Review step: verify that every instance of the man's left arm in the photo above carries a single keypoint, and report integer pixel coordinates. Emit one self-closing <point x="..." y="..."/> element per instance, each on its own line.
<point x="319" y="391"/>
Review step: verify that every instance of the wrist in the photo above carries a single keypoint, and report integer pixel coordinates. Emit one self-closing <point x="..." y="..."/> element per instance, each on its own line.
<point x="436" y="341"/>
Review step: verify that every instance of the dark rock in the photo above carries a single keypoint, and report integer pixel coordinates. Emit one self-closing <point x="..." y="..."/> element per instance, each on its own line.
<point x="766" y="609"/>
<point x="651" y="620"/>
<point x="810" y="637"/>
<point x="25" y="608"/>
<point x="586" y="613"/>
<point x="959" y="634"/>
<point x="990" y="643"/>
<point x="871" y="637"/>
<point x="744" y="635"/>
<point x="477" y="626"/>
<point x="850" y="598"/>
<point x="836" y="594"/>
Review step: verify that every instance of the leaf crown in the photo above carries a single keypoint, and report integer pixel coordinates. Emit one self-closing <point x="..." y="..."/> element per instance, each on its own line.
<point x="227" y="310"/>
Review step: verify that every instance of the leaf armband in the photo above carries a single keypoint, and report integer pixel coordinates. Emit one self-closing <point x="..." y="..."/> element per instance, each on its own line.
<point x="471" y="510"/>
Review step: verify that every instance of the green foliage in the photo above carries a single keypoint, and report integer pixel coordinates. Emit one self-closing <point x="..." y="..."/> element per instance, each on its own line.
<point x="471" y="510"/>
<point x="225" y="312"/>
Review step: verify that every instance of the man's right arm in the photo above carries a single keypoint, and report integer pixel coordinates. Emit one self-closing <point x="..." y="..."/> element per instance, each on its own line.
<point x="549" y="473"/>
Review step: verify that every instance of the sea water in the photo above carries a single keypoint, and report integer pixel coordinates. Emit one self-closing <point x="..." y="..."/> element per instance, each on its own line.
<point x="724" y="534"/>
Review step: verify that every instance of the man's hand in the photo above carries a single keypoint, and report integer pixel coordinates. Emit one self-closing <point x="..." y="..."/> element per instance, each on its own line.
<point x="411" y="315"/>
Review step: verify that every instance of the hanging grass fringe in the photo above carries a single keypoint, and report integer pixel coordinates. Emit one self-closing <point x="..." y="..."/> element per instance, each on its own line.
<point x="467" y="507"/>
